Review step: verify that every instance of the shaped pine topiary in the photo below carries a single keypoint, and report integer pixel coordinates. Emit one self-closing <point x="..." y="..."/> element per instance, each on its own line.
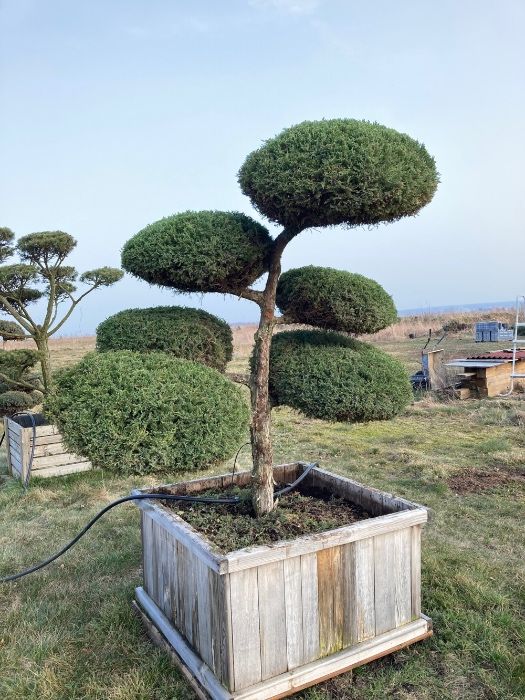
<point x="192" y="334"/>
<point x="334" y="377"/>
<point x="131" y="412"/>
<point x="334" y="299"/>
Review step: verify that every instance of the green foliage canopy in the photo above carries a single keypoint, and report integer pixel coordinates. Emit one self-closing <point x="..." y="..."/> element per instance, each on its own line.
<point x="334" y="299"/>
<point x="6" y="239"/>
<point x="131" y="412"/>
<point x="9" y="330"/>
<point x="338" y="171"/>
<point x="192" y="334"/>
<point x="330" y="376"/>
<point x="204" y="251"/>
<point x="18" y="388"/>
<point x="45" y="247"/>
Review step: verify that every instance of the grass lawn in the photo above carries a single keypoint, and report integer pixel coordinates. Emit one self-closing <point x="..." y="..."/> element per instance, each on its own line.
<point x="68" y="632"/>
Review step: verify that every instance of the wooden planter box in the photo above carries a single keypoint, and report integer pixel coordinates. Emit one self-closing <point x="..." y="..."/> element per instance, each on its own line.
<point x="51" y="457"/>
<point x="264" y="622"/>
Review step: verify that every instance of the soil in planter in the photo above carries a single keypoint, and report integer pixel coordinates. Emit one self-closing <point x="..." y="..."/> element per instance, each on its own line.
<point x="231" y="527"/>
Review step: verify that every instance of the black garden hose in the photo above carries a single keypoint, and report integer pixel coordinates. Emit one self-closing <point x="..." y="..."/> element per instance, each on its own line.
<point x="141" y="497"/>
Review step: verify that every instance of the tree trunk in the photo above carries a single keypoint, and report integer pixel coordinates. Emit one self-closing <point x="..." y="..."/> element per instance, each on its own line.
<point x="42" y="344"/>
<point x="262" y="452"/>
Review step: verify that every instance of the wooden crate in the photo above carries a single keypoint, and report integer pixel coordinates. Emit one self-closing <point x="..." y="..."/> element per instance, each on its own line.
<point x="51" y="457"/>
<point x="266" y="621"/>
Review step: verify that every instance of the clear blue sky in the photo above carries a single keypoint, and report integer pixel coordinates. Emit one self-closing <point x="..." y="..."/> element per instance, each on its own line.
<point x="116" y="113"/>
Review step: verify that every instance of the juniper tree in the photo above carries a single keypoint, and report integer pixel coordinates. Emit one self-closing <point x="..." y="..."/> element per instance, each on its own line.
<point x="42" y="274"/>
<point x="316" y="174"/>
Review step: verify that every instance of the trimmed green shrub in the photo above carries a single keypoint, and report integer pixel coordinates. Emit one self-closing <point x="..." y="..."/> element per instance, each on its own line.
<point x="16" y="380"/>
<point x="14" y="401"/>
<point x="192" y="334"/>
<point x="334" y="299"/>
<point x="9" y="330"/>
<point x="338" y="171"/>
<point x="203" y="251"/>
<point x="131" y="412"/>
<point x="330" y="376"/>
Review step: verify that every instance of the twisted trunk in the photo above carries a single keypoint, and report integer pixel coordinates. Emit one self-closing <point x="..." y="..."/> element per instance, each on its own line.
<point x="262" y="452"/>
<point x="42" y="344"/>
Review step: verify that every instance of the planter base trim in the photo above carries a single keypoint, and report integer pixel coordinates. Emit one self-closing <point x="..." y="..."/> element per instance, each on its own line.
<point x="206" y="685"/>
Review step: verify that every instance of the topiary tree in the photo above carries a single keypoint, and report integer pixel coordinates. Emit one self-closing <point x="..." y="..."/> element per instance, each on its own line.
<point x="192" y="334"/>
<point x="19" y="388"/>
<point x="41" y="273"/>
<point x="326" y="173"/>
<point x="132" y="412"/>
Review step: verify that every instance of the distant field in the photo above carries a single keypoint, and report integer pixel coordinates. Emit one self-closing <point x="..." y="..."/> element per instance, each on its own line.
<point x="68" y="633"/>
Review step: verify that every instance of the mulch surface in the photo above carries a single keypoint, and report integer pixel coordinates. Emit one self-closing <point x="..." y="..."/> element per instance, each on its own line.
<point x="231" y="527"/>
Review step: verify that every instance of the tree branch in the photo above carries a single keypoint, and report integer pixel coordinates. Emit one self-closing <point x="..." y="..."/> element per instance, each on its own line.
<point x="25" y="321"/>
<point x="252" y="295"/>
<point x="75" y="302"/>
<point x="16" y="382"/>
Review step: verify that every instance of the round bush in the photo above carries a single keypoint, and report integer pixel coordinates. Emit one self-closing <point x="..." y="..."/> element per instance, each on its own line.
<point x="12" y="401"/>
<point x="334" y="299"/>
<point x="334" y="377"/>
<point x="338" y="171"/>
<point x="192" y="334"/>
<point x="131" y="412"/>
<point x="9" y="330"/>
<point x="204" y="251"/>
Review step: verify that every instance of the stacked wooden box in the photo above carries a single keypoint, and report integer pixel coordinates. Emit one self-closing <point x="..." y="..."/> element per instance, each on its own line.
<point x="50" y="458"/>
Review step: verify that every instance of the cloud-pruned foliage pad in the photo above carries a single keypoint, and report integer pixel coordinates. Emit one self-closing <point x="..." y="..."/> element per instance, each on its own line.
<point x="330" y="376"/>
<point x="184" y="332"/>
<point x="334" y="299"/>
<point x="203" y="251"/>
<point x="338" y="171"/>
<point x="131" y="412"/>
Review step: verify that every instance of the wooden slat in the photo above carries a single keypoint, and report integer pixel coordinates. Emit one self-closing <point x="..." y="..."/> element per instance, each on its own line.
<point x="358" y="592"/>
<point x="15" y="428"/>
<point x="403" y="576"/>
<point x="47" y="439"/>
<point x="54" y="448"/>
<point x="187" y="602"/>
<point x="294" y="612"/>
<point x="15" y="450"/>
<point x="309" y="593"/>
<point x="63" y="471"/>
<point x="255" y="556"/>
<point x="416" y="571"/>
<point x="58" y="460"/>
<point x="220" y="623"/>
<point x="7" y="445"/>
<point x="330" y="597"/>
<point x="385" y="592"/>
<point x="44" y="430"/>
<point x="245" y="628"/>
<point x="272" y="619"/>
<point x="203" y="631"/>
<point x="16" y="462"/>
<point x="203" y="674"/>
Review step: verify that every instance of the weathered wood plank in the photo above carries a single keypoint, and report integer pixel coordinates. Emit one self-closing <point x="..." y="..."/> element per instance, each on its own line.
<point x="403" y="576"/>
<point x="56" y="460"/>
<point x="63" y="471"/>
<point x="416" y="570"/>
<point x="358" y="592"/>
<point x="330" y="597"/>
<point x="203" y="632"/>
<point x="7" y="445"/>
<point x="256" y="556"/>
<point x="309" y="594"/>
<point x="245" y="628"/>
<point x="333" y="665"/>
<point x="385" y="591"/>
<point x="54" y="448"/>
<point x="47" y="439"/>
<point x="220" y="626"/>
<point x="200" y="670"/>
<point x="272" y="619"/>
<point x="294" y="612"/>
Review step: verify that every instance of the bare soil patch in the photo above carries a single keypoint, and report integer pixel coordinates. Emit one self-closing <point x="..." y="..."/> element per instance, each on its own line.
<point x="476" y="481"/>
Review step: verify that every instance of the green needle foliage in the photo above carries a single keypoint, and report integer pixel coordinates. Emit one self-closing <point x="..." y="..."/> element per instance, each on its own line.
<point x="131" y="412"/>
<point x="192" y="334"/>
<point x="334" y="299"/>
<point x="41" y="274"/>
<point x="339" y="171"/>
<point x="19" y="388"/>
<point x="334" y="377"/>
<point x="204" y="251"/>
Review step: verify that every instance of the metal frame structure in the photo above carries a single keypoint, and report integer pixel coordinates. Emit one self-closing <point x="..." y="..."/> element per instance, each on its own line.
<point x="520" y="309"/>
